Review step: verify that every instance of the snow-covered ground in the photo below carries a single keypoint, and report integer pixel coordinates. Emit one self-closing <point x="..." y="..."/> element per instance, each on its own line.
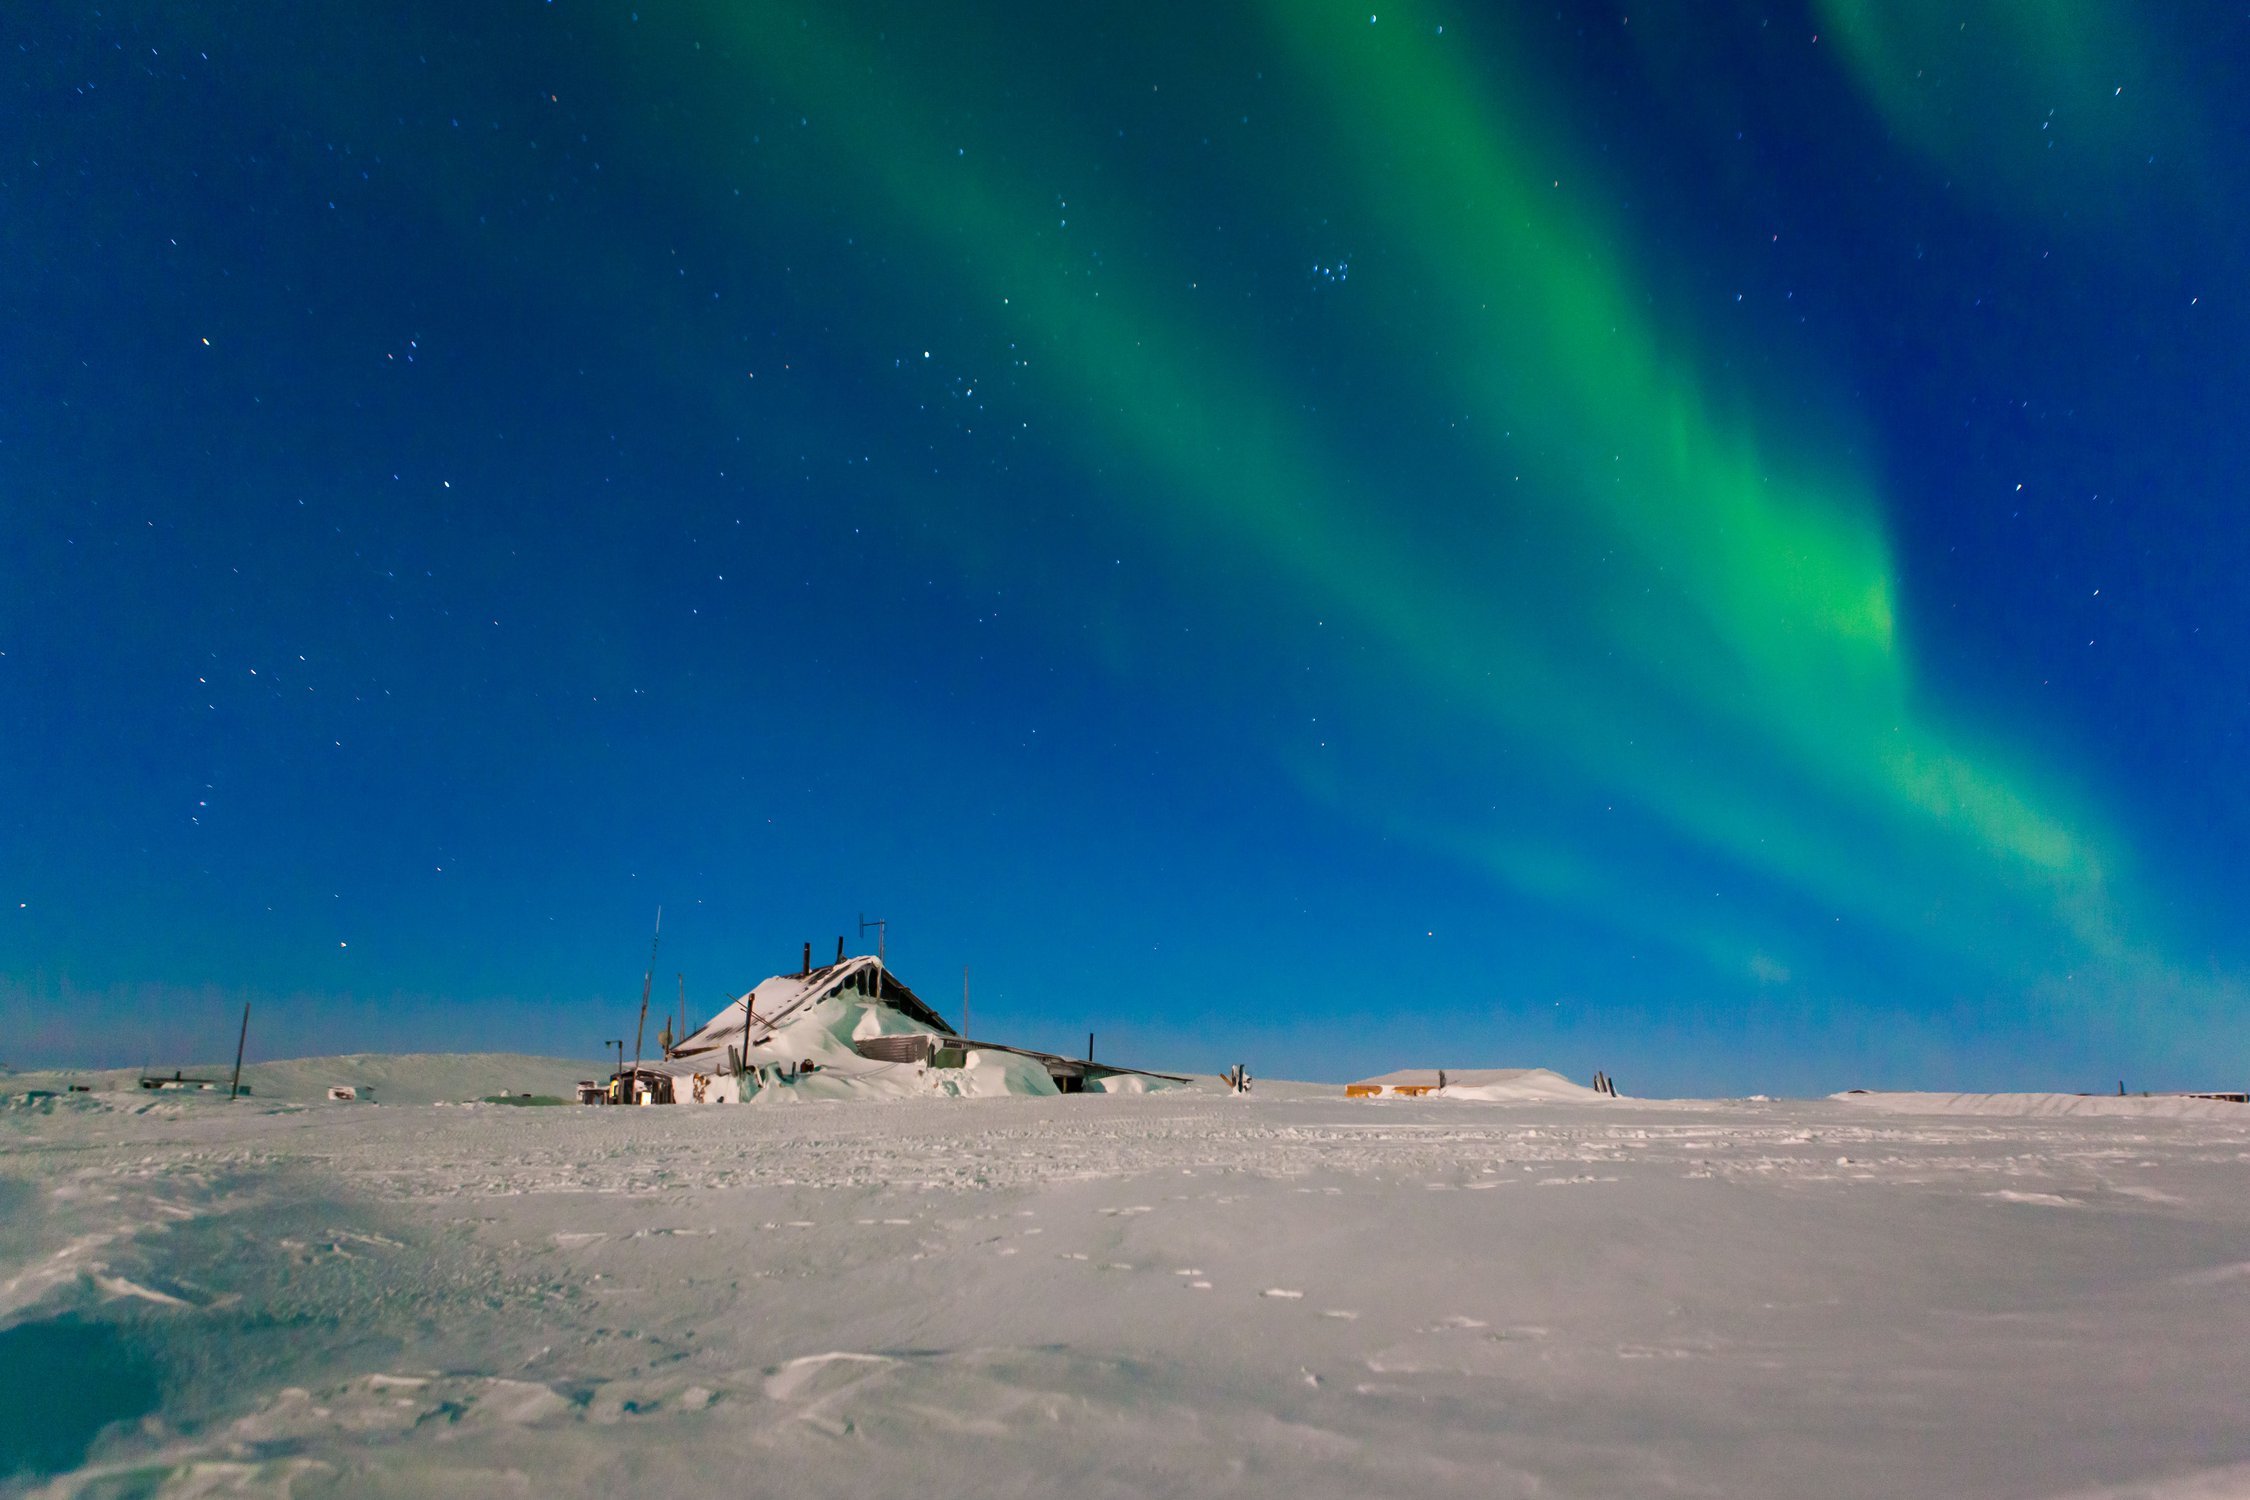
<point x="1184" y="1293"/>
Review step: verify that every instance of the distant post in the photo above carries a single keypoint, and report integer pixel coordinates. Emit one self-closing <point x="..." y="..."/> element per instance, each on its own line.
<point x="240" y="1042"/>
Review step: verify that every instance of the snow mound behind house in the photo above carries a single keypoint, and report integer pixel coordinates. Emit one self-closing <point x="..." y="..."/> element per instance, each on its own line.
<point x="1517" y="1085"/>
<point x="1482" y="1085"/>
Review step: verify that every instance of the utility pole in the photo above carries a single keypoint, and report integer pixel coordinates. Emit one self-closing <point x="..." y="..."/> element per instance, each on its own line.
<point x="647" y="980"/>
<point x="243" y="1040"/>
<point x="881" y="935"/>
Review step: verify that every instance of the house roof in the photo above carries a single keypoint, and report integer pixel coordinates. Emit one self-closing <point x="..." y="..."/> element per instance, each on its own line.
<point x="777" y="999"/>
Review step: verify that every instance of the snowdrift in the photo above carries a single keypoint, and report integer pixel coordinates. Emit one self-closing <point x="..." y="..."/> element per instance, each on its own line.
<point x="1519" y="1085"/>
<point x="1482" y="1085"/>
<point x="385" y="1078"/>
<point x="2136" y="1106"/>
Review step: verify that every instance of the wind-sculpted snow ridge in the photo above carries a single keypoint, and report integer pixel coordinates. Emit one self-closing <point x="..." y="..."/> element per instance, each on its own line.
<point x="1181" y="1294"/>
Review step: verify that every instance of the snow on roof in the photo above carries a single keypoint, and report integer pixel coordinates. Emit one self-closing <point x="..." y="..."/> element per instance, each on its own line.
<point x="773" y="1002"/>
<point x="798" y="1036"/>
<point x="817" y="1029"/>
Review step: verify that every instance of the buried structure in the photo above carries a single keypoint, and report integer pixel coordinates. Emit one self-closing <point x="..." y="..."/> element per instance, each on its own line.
<point x="849" y="1030"/>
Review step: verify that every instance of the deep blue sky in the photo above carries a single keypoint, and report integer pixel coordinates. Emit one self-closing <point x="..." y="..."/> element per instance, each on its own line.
<point x="1704" y="542"/>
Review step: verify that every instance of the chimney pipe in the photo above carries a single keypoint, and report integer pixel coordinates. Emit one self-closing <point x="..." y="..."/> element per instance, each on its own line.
<point x="839" y="947"/>
<point x="807" y="969"/>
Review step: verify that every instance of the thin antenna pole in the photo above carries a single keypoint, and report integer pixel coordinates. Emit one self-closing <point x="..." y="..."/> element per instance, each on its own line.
<point x="683" y="1005"/>
<point x="882" y="936"/>
<point x="964" y="999"/>
<point x="240" y="1042"/>
<point x="647" y="980"/>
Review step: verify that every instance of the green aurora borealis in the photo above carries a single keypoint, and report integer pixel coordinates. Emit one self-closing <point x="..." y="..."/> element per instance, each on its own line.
<point x="1733" y="666"/>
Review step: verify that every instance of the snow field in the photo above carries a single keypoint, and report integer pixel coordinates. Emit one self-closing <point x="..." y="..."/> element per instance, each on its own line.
<point x="1170" y="1294"/>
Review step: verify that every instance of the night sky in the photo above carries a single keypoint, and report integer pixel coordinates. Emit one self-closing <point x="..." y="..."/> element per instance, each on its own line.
<point x="1704" y="542"/>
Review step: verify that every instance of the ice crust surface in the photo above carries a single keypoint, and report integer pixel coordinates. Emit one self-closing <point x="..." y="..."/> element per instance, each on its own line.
<point x="1171" y="1294"/>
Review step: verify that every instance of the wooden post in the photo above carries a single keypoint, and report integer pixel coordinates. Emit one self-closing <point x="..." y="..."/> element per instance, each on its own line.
<point x="1089" y="1046"/>
<point x="807" y="969"/>
<point x="243" y="1040"/>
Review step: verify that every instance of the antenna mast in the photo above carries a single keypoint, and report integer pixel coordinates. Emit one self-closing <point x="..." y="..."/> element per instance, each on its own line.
<point x="881" y="934"/>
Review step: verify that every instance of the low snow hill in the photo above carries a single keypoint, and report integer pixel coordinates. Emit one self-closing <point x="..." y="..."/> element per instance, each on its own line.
<point x="2134" y="1106"/>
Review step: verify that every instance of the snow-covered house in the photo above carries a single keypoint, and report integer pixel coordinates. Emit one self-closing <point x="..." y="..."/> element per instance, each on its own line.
<point x="851" y="1029"/>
